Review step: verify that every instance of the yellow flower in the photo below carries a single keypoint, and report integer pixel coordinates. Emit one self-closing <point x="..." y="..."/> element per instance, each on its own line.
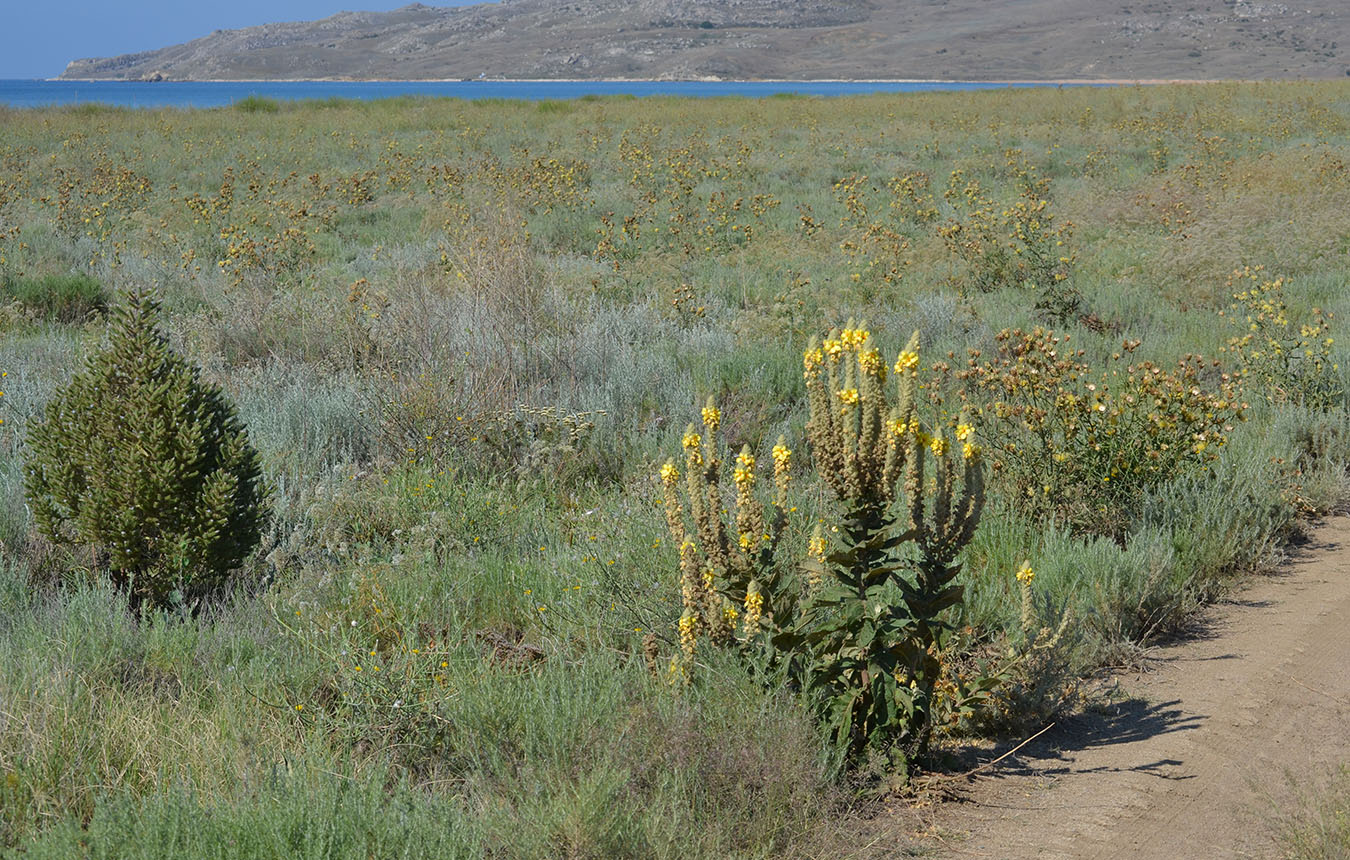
<point x="754" y="607"/>
<point x="848" y="396"/>
<point x="688" y="632"/>
<point x="964" y="431"/>
<point x="970" y="450"/>
<point x="669" y="474"/>
<point x="815" y="547"/>
<point x="1025" y="574"/>
<point x="782" y="456"/>
<point x="744" y="473"/>
<point x="854" y="338"/>
<point x="679" y="673"/>
<point x="811" y="361"/>
<point x="691" y="441"/>
<point x="869" y="361"/>
<point x="712" y="416"/>
<point x="907" y="362"/>
<point x="938" y="446"/>
<point x="832" y="348"/>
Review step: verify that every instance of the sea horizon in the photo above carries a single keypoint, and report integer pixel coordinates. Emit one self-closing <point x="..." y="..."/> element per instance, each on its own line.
<point x="21" y="93"/>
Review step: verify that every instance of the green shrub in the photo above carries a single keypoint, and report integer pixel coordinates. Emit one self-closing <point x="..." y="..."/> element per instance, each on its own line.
<point x="60" y="298"/>
<point x="257" y="104"/>
<point x="141" y="460"/>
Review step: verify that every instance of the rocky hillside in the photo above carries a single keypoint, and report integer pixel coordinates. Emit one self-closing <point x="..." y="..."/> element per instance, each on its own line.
<point x="749" y="39"/>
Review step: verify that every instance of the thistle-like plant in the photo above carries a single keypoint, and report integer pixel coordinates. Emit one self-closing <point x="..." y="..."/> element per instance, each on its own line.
<point x="148" y="465"/>
<point x="1284" y="363"/>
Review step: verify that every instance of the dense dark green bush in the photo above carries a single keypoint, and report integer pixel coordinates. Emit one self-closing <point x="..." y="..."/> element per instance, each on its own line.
<point x="146" y="464"/>
<point x="60" y="298"/>
<point x="257" y="104"/>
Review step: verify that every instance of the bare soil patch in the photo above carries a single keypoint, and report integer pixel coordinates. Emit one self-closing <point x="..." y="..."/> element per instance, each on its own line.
<point x="1203" y="747"/>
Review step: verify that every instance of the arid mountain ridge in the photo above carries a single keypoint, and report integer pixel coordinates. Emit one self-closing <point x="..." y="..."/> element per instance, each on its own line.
<point x="773" y="39"/>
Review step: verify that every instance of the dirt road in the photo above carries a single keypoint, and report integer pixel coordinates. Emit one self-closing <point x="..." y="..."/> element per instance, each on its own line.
<point x="1198" y="759"/>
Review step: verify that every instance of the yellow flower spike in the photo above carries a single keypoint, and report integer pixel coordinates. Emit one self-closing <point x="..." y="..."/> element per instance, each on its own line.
<point x="815" y="547"/>
<point x="1025" y="574"/>
<point x="691" y="439"/>
<point x="688" y="632"/>
<point x="832" y="348"/>
<point x="669" y="474"/>
<point x="870" y="363"/>
<point x="848" y="396"/>
<point x="907" y="362"/>
<point x="782" y="456"/>
<point x="964" y="432"/>
<point x="938" y="446"/>
<point x="969" y="450"/>
<point x="754" y="609"/>
<point x="812" y="359"/>
<point x="745" y="459"/>
<point x="744" y="472"/>
<point x="712" y="416"/>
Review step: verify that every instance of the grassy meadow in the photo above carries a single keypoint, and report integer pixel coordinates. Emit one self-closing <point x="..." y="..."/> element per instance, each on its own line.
<point x="466" y="335"/>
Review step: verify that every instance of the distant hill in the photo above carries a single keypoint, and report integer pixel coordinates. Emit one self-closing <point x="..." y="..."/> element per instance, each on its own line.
<point x="759" y="39"/>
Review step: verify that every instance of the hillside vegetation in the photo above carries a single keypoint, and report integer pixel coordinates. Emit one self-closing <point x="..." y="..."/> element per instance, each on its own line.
<point x="759" y="39"/>
<point x="465" y="337"/>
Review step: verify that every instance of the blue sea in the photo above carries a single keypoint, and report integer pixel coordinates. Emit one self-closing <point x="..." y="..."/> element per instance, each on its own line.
<point x="183" y="94"/>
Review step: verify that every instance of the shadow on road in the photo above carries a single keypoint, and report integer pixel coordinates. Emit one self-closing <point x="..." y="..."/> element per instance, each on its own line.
<point x="1119" y="723"/>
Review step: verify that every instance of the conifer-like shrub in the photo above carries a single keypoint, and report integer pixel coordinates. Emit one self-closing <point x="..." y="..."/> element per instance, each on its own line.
<point x="146" y="464"/>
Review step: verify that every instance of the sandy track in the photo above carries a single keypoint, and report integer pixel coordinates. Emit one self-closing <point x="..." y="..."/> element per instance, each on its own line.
<point x="1196" y="761"/>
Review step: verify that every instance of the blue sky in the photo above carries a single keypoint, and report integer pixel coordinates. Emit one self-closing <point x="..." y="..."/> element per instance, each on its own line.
<point x="40" y="36"/>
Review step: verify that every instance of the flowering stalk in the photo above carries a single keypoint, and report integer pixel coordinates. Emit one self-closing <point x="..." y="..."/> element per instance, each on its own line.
<point x="730" y="576"/>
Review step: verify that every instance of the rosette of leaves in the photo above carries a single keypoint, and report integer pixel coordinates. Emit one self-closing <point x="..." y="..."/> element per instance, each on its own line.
<point x="148" y="465"/>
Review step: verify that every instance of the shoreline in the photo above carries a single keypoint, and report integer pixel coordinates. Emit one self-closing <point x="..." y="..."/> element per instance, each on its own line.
<point x="735" y="81"/>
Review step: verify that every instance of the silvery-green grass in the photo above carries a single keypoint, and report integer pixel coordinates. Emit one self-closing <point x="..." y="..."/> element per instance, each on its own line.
<point x="379" y="286"/>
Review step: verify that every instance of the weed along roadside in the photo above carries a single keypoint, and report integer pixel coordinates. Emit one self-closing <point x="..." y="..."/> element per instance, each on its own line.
<point x="634" y="477"/>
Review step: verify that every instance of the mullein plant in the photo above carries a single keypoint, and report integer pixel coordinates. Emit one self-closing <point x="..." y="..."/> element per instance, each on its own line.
<point x="735" y="590"/>
<point x="857" y="623"/>
<point x="911" y="500"/>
